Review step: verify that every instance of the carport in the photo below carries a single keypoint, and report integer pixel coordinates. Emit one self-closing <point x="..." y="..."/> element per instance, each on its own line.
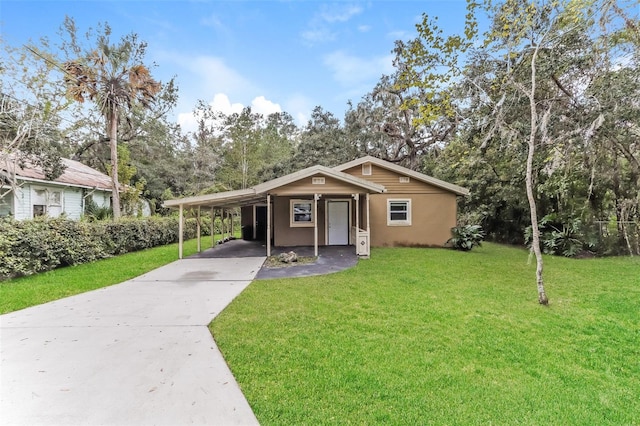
<point x="297" y="195"/>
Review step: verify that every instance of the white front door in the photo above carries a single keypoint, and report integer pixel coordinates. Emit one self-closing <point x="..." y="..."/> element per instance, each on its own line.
<point x="338" y="223"/>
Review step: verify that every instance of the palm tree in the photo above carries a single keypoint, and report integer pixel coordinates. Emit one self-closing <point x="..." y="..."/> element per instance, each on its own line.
<point x="114" y="78"/>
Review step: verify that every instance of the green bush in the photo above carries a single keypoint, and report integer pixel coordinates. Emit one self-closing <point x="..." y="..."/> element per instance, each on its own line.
<point x="31" y="246"/>
<point x="466" y="237"/>
<point x="561" y="239"/>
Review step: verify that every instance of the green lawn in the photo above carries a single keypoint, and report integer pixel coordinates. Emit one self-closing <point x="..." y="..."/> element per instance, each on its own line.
<point x="33" y="290"/>
<point x="432" y="336"/>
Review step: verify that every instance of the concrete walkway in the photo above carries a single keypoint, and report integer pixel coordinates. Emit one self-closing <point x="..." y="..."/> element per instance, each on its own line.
<point x="137" y="353"/>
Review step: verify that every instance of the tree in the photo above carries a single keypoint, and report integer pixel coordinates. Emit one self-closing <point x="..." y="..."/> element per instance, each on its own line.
<point x="429" y="65"/>
<point x="279" y="139"/>
<point x="241" y="140"/>
<point x="114" y="77"/>
<point x="31" y="115"/>
<point x="385" y="125"/>
<point x="322" y="141"/>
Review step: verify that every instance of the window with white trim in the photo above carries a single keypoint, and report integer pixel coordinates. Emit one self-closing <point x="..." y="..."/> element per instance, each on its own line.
<point x="46" y="202"/>
<point x="366" y="169"/>
<point x="301" y="213"/>
<point x="398" y="212"/>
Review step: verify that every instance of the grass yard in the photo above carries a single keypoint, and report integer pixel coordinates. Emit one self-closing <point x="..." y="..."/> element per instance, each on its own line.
<point x="20" y="293"/>
<point x="429" y="336"/>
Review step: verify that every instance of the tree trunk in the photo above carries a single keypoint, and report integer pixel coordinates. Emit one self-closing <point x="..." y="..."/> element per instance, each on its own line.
<point x="535" y="232"/>
<point x="113" y="143"/>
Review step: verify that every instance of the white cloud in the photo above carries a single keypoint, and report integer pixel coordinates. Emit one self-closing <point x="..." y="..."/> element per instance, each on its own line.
<point x="264" y="106"/>
<point x="187" y="121"/>
<point x="214" y="76"/>
<point x="200" y="76"/>
<point x="319" y="28"/>
<point x="350" y="70"/>
<point x="318" y="35"/>
<point x="222" y="103"/>
<point x="399" y="35"/>
<point x="364" y="28"/>
<point x="339" y="12"/>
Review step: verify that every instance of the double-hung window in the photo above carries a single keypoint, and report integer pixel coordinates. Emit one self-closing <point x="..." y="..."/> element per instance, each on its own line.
<point x="301" y="213"/>
<point x="398" y="212"/>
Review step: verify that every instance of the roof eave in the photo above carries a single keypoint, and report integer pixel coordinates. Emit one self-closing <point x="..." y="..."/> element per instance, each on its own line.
<point x="62" y="184"/>
<point x="313" y="170"/>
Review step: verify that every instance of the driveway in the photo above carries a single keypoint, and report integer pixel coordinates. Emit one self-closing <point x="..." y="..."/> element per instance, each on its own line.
<point x="137" y="353"/>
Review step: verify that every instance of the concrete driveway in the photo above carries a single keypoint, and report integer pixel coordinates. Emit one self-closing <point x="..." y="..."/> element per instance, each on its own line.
<point x="137" y="353"/>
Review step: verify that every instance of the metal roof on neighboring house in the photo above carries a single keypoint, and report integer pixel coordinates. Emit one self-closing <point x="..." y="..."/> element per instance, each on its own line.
<point x="74" y="174"/>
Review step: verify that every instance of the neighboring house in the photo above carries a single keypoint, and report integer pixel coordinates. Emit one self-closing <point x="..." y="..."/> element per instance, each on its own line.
<point x="34" y="196"/>
<point x="365" y="202"/>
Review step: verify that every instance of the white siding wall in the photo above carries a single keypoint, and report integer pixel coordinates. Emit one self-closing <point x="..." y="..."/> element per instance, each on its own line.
<point x="72" y="203"/>
<point x="102" y="198"/>
<point x="22" y="202"/>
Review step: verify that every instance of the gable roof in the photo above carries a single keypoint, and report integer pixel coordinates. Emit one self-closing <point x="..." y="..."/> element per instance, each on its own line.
<point x="258" y="192"/>
<point x="75" y="174"/>
<point x="458" y="190"/>
<point x="318" y="170"/>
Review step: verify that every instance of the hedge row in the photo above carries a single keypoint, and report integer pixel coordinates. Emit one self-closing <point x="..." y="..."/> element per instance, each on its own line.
<point x="32" y="246"/>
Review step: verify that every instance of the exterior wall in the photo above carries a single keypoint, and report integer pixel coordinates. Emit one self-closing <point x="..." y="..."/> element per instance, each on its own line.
<point x="284" y="235"/>
<point x="22" y="203"/>
<point x="101" y="198"/>
<point x="72" y="203"/>
<point x="433" y="210"/>
<point x="432" y="217"/>
<point x="246" y="216"/>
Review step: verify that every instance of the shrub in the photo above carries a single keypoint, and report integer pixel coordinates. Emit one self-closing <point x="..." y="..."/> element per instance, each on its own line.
<point x="466" y="237"/>
<point x="566" y="239"/>
<point x="31" y="246"/>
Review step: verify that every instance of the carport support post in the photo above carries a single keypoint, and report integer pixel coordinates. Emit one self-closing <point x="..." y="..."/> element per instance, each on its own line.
<point x="315" y="224"/>
<point x="357" y="198"/>
<point x="180" y="231"/>
<point x="213" y="228"/>
<point x="368" y="218"/>
<point x="268" y="225"/>
<point x="198" y="230"/>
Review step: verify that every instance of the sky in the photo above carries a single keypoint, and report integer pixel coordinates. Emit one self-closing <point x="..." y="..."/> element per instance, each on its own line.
<point x="286" y="55"/>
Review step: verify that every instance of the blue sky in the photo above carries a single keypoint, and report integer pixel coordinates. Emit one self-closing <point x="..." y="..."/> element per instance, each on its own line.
<point x="272" y="55"/>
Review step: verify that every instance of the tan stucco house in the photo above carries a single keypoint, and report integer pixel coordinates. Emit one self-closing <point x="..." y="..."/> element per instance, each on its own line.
<point x="366" y="202"/>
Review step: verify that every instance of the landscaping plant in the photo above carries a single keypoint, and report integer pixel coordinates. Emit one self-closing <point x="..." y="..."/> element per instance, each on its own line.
<point x="466" y="237"/>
